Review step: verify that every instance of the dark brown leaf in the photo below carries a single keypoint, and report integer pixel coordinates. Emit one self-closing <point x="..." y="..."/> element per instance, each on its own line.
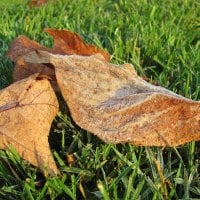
<point x="36" y="3"/>
<point x="67" y="43"/>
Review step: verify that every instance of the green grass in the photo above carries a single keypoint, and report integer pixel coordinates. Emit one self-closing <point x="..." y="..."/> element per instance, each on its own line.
<point x="7" y="3"/>
<point x="161" y="38"/>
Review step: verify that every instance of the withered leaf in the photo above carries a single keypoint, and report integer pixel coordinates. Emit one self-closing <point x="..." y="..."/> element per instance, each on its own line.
<point x="67" y="43"/>
<point x="21" y="46"/>
<point x="36" y="3"/>
<point x="118" y="106"/>
<point x="27" y="109"/>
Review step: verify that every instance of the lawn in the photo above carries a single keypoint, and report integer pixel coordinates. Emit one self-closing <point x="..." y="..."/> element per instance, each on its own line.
<point x="161" y="39"/>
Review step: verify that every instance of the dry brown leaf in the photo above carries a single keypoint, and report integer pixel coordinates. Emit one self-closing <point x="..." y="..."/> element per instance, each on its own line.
<point x="23" y="70"/>
<point x="67" y="43"/>
<point x="36" y="3"/>
<point x="21" y="46"/>
<point x="27" y="109"/>
<point x="118" y="106"/>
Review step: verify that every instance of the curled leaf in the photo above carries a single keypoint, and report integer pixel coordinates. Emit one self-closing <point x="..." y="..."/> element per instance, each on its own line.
<point x="21" y="46"/>
<point x="27" y="109"/>
<point x="67" y="43"/>
<point x="118" y="106"/>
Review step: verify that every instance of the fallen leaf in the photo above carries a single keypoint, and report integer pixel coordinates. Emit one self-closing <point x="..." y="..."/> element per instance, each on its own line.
<point x="21" y="46"/>
<point x="27" y="109"/>
<point x="36" y="3"/>
<point x="65" y="42"/>
<point x="118" y="106"/>
<point x="24" y="70"/>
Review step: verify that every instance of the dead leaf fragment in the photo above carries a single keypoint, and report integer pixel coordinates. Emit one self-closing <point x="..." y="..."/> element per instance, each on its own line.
<point x="70" y="159"/>
<point x="118" y="106"/>
<point x="27" y="109"/>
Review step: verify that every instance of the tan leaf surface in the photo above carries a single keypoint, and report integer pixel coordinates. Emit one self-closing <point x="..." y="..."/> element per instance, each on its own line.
<point x="27" y="109"/>
<point x="118" y="106"/>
